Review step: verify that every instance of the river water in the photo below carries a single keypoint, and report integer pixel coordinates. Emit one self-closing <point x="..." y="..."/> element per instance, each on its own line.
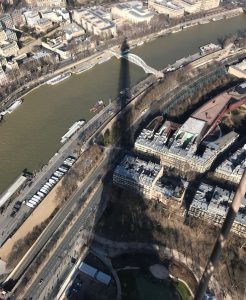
<point x="30" y="135"/>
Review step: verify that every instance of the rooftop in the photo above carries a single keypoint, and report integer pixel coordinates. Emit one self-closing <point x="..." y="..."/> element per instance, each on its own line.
<point x="210" y="110"/>
<point x="137" y="170"/>
<point x="216" y="201"/>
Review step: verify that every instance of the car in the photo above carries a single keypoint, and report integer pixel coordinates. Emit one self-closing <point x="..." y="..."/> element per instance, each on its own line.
<point x="41" y="281"/>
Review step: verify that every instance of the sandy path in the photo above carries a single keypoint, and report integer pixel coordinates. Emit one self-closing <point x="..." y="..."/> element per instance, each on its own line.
<point x="40" y="214"/>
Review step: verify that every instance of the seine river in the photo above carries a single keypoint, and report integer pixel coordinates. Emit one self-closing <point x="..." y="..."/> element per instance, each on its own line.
<point x="30" y="135"/>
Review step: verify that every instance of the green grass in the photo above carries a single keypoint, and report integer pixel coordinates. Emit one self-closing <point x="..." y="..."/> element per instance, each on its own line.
<point x="183" y="291"/>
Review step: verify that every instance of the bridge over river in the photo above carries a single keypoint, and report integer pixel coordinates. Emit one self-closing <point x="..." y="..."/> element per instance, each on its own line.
<point x="139" y="62"/>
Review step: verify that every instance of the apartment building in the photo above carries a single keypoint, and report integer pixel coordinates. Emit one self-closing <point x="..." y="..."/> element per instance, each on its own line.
<point x="170" y="8"/>
<point x="9" y="49"/>
<point x="132" y="12"/>
<point x="190" y="6"/>
<point x="43" y="25"/>
<point x="3" y="77"/>
<point x="11" y="35"/>
<point x="51" y="15"/>
<point x="31" y="17"/>
<point x="212" y="204"/>
<point x="209" y="4"/>
<point x="95" y="21"/>
<point x="18" y="18"/>
<point x="7" y="21"/>
<point x="138" y="175"/>
<point x="46" y="3"/>
<point x="233" y="167"/>
<point x="3" y="36"/>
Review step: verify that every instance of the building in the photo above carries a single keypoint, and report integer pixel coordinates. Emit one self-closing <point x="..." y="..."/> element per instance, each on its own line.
<point x="190" y="6"/>
<point x="138" y="175"/>
<point x="132" y="12"/>
<point x="64" y="13"/>
<point x="3" y="36"/>
<point x="212" y="204"/>
<point x="43" y="25"/>
<point x="238" y="70"/>
<point x="233" y="167"/>
<point x="11" y="35"/>
<point x="51" y="15"/>
<point x="18" y="18"/>
<point x="3" y="77"/>
<point x="46" y="3"/>
<point x="181" y="150"/>
<point x="95" y="21"/>
<point x="172" y="9"/>
<point x="9" y="49"/>
<point x="209" y="4"/>
<point x="72" y="30"/>
<point x="31" y="17"/>
<point x="145" y="178"/>
<point x="7" y="21"/>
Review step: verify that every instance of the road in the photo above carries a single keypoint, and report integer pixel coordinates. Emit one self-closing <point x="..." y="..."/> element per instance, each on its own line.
<point x="56" y="260"/>
<point x="56" y="221"/>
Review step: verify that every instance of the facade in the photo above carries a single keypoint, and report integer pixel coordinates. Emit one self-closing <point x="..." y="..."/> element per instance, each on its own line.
<point x="233" y="167"/>
<point x="95" y="21"/>
<point x="209" y="4"/>
<point x="7" y="21"/>
<point x="190" y="6"/>
<point x="11" y="35"/>
<point x="3" y="77"/>
<point x="9" y="49"/>
<point x="31" y="17"/>
<point x="46" y="3"/>
<point x="138" y="175"/>
<point x="132" y="12"/>
<point x="51" y="15"/>
<point x="72" y="30"/>
<point x="3" y="36"/>
<point x="18" y="18"/>
<point x="172" y="9"/>
<point x="43" y="25"/>
<point x="212" y="204"/>
<point x="145" y="178"/>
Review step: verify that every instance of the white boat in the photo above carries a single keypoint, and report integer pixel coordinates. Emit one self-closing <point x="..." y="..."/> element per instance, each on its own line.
<point x="104" y="60"/>
<point x="83" y="69"/>
<point x="218" y="18"/>
<point x="204" y="22"/>
<point x="190" y="25"/>
<point x="140" y="43"/>
<point x="59" y="78"/>
<point x="176" y="30"/>
<point x="14" y="106"/>
<point x="76" y="126"/>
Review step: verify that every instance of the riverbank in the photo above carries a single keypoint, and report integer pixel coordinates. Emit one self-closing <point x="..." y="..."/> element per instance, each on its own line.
<point x="105" y="55"/>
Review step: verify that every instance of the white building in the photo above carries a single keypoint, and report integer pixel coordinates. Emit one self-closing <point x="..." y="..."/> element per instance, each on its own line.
<point x="11" y="35"/>
<point x="9" y="49"/>
<point x="72" y="30"/>
<point x="7" y="21"/>
<point x="132" y="11"/>
<point x="51" y="15"/>
<point x="64" y="13"/>
<point x="3" y="36"/>
<point x="3" y="77"/>
<point x="209" y="4"/>
<point x="46" y="3"/>
<point x="43" y="25"/>
<point x="190" y="6"/>
<point x="170" y="8"/>
<point x="31" y="17"/>
<point x="95" y="21"/>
